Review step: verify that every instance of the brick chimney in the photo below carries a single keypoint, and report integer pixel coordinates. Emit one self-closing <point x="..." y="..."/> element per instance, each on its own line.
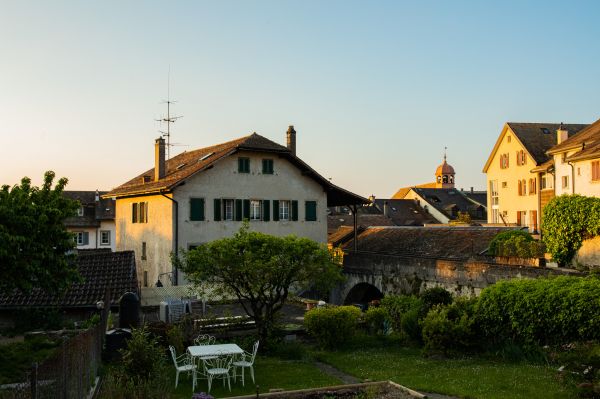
<point x="159" y="159"/>
<point x="561" y="134"/>
<point x="291" y="139"/>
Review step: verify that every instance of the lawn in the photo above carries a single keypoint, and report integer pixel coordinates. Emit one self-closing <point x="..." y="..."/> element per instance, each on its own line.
<point x="468" y="377"/>
<point x="270" y="373"/>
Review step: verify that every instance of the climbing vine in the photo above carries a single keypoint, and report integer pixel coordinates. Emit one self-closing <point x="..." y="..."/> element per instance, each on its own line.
<point x="567" y="221"/>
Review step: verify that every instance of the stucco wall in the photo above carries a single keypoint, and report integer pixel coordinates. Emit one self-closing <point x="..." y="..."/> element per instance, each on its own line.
<point x="589" y="253"/>
<point x="157" y="234"/>
<point x="584" y="184"/>
<point x="563" y="169"/>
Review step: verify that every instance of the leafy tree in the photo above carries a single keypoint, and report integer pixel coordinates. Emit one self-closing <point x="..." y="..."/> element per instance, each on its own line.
<point x="34" y="243"/>
<point x="260" y="270"/>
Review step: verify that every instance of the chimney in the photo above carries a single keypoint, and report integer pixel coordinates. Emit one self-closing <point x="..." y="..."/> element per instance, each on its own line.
<point x="159" y="159"/>
<point x="561" y="134"/>
<point x="471" y="190"/>
<point x="97" y="196"/>
<point x="386" y="209"/>
<point x="291" y="139"/>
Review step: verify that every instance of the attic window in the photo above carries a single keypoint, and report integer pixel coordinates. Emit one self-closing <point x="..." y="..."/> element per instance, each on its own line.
<point x="180" y="166"/>
<point x="545" y="130"/>
<point x="202" y="158"/>
<point x="146" y="179"/>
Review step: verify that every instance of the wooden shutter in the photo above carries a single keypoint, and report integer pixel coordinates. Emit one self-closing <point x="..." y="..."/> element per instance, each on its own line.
<point x="134" y="212"/>
<point x="294" y="210"/>
<point x="246" y="213"/>
<point x="275" y="210"/>
<point x="217" y="209"/>
<point x="266" y="210"/>
<point x="86" y="238"/>
<point x="196" y="209"/>
<point x="238" y="210"/>
<point x="310" y="209"/>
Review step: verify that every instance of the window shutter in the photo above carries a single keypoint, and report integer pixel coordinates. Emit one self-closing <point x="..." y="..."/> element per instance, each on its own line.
<point x="275" y="210"/>
<point x="246" y="209"/>
<point x="294" y="210"/>
<point x="134" y="212"/>
<point x="217" y="209"/>
<point x="310" y="208"/>
<point x="240" y="165"/>
<point x="196" y="209"/>
<point x="86" y="238"/>
<point x="266" y="210"/>
<point x="238" y="210"/>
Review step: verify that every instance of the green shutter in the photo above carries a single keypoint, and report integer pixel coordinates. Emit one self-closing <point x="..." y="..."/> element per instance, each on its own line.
<point x="238" y="210"/>
<point x="275" y="210"/>
<point x="294" y="210"/>
<point x="267" y="166"/>
<point x="266" y="210"/>
<point x="217" y="209"/>
<point x="243" y="165"/>
<point x="196" y="209"/>
<point x="310" y="208"/>
<point x="86" y="238"/>
<point x="246" y="209"/>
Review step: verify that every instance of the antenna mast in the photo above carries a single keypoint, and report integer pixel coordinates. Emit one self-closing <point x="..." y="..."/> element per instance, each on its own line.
<point x="169" y="119"/>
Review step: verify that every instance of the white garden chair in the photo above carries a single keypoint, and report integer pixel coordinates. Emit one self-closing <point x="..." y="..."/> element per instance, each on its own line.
<point x="183" y="363"/>
<point x="218" y="367"/>
<point x="204" y="339"/>
<point x="246" y="360"/>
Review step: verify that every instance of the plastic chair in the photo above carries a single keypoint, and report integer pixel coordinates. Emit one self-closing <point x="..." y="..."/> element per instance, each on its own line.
<point x="183" y="363"/>
<point x="247" y="360"/>
<point x="218" y="367"/>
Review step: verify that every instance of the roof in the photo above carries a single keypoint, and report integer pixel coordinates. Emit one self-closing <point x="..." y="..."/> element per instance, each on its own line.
<point x="438" y="242"/>
<point x="588" y="152"/>
<point x="401" y="193"/>
<point x="536" y="138"/>
<point x="446" y="200"/>
<point x="342" y="234"/>
<point x="93" y="212"/>
<point x="187" y="164"/>
<point x="100" y="270"/>
<point x="365" y="220"/>
<point x="479" y="197"/>
<point x="588" y="135"/>
<point x="444" y="169"/>
<point x="405" y="212"/>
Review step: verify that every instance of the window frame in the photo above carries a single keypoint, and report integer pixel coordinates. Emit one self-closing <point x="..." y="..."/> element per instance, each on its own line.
<point x="243" y="165"/>
<point x="102" y="233"/>
<point x="306" y="209"/>
<point x="268" y="166"/>
<point x="228" y="201"/>
<point x="595" y="171"/>
<point x="202" y="216"/>
<point x="282" y="211"/>
<point x="255" y="204"/>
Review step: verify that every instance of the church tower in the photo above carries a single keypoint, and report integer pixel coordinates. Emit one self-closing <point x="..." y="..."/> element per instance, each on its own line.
<point x="444" y="175"/>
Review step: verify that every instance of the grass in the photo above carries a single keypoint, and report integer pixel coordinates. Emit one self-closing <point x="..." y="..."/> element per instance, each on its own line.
<point x="270" y="373"/>
<point x="475" y="377"/>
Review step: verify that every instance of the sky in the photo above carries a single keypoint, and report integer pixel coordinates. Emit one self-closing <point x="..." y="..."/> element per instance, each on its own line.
<point x="375" y="89"/>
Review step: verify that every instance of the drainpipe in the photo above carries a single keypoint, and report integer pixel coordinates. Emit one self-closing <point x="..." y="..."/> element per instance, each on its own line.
<point x="539" y="195"/>
<point x="572" y="176"/>
<point x="176" y="204"/>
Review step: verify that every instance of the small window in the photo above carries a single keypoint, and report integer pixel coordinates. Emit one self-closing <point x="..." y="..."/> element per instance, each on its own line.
<point x="228" y="209"/>
<point x="80" y="210"/>
<point x="204" y="157"/>
<point x="267" y="166"/>
<point x="243" y="165"/>
<point x="144" y="250"/>
<point x="145" y="278"/>
<point x="82" y="238"/>
<point x="104" y="237"/>
<point x="565" y="182"/>
<point x="504" y="184"/>
<point x="196" y="209"/>
<point x="596" y="170"/>
<point x="284" y="210"/>
<point x="255" y="209"/>
<point x="310" y="211"/>
<point x="508" y="138"/>
<point x="139" y="212"/>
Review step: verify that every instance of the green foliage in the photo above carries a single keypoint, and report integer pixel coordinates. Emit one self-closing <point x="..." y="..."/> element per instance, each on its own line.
<point x="568" y="220"/>
<point x="259" y="270"/>
<point x="292" y="350"/>
<point x="541" y="311"/>
<point x="34" y="242"/>
<point x="143" y="357"/>
<point x="580" y="362"/>
<point x="332" y="327"/>
<point x="32" y="319"/>
<point x="16" y="358"/>
<point x="450" y="329"/>
<point x="516" y="243"/>
<point x="117" y="385"/>
<point x="397" y="305"/>
<point x="176" y="338"/>
<point x="434" y="296"/>
<point x="375" y="318"/>
<point x="94" y="320"/>
<point x="411" y="324"/>
<point x="498" y="241"/>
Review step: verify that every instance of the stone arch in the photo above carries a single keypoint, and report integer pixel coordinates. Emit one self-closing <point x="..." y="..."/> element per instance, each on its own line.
<point x="362" y="293"/>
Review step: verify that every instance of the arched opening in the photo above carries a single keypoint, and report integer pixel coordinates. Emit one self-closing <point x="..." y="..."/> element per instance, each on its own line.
<point x="362" y="294"/>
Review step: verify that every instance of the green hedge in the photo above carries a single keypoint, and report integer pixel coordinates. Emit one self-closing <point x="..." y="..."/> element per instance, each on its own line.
<point x="397" y="305"/>
<point x="451" y="329"/>
<point x="332" y="327"/>
<point x="516" y="243"/>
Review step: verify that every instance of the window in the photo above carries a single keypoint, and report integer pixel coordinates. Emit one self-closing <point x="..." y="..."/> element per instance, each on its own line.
<point x="503" y="161"/>
<point x="445" y="179"/>
<point x="565" y="181"/>
<point x="439" y="179"/>
<point x="508" y="138"/>
<point x="104" y="237"/>
<point x="310" y="208"/>
<point x="267" y="166"/>
<point x="196" y="209"/>
<point x="255" y="209"/>
<point x="243" y="165"/>
<point x="532" y="186"/>
<point x="228" y="209"/>
<point x="284" y="210"/>
<point x="521" y="158"/>
<point x="547" y="181"/>
<point x="595" y="170"/>
<point x="82" y="238"/>
<point x="145" y="278"/>
<point x="533" y="220"/>
<point x="494" y="192"/>
<point x="563" y="157"/>
<point x="144" y="250"/>
<point x="521" y="187"/>
<point x="504" y="184"/>
<point x="80" y="210"/>
<point x="521" y="218"/>
<point x="139" y="212"/>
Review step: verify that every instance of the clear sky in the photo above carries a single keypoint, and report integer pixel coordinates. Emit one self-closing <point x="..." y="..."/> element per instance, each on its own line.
<point x="375" y="89"/>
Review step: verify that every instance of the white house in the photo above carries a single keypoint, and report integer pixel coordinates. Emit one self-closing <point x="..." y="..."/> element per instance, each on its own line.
<point x="94" y="225"/>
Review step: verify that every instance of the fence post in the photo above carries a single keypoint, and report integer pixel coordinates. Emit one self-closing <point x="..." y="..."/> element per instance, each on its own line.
<point x="33" y="377"/>
<point x="65" y="368"/>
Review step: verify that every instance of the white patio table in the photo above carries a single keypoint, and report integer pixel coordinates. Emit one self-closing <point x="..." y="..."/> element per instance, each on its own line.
<point x="200" y="351"/>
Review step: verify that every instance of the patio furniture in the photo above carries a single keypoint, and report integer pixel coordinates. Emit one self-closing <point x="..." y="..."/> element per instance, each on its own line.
<point x="209" y="352"/>
<point x="218" y="367"/>
<point x="204" y="339"/>
<point x="183" y="363"/>
<point x="246" y="360"/>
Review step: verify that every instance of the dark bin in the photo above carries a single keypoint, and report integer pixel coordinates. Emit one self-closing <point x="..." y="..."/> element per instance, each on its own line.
<point x="115" y="340"/>
<point x="129" y="310"/>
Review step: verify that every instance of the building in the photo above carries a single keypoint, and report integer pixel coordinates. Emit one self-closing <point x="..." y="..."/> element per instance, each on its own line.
<point x="205" y="194"/>
<point x="94" y="224"/>
<point x="517" y="180"/>
<point x="444" y="178"/>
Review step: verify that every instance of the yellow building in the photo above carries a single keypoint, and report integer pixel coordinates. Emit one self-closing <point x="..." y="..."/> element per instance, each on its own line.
<point x="518" y="181"/>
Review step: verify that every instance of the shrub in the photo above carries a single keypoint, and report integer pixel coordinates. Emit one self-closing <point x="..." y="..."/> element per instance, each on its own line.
<point x="411" y="324"/>
<point x="498" y="241"/>
<point x="450" y="329"/>
<point x="143" y="355"/>
<point x="38" y="319"/>
<point x="175" y="337"/>
<point x="332" y="327"/>
<point x="541" y="311"/>
<point x="117" y="385"/>
<point x="396" y="305"/>
<point x="434" y="296"/>
<point x="375" y="319"/>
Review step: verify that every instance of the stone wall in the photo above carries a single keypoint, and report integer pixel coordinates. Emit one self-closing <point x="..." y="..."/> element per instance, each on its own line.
<point x="409" y="275"/>
<point x="589" y="253"/>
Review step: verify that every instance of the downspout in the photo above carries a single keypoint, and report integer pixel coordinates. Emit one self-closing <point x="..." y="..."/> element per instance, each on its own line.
<point x="175" y="273"/>
<point x="354" y="215"/>
<point x="539" y="195"/>
<point x="572" y="176"/>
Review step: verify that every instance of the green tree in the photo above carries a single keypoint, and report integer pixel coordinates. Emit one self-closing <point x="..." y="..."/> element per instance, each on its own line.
<point x="260" y="270"/>
<point x="34" y="243"/>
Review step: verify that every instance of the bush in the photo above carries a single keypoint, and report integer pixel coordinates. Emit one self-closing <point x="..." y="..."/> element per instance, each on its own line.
<point x="520" y="247"/>
<point x="541" y="311"/>
<point x="117" y="385"/>
<point x="396" y="305"/>
<point x="498" y="241"/>
<point x="434" y="296"/>
<point x="38" y="319"/>
<point x="143" y="355"/>
<point x="450" y="329"/>
<point x="375" y="318"/>
<point x="411" y="324"/>
<point x="332" y="327"/>
<point x="580" y="366"/>
<point x="175" y="337"/>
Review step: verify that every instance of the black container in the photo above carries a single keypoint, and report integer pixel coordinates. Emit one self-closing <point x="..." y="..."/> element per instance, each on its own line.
<point x="115" y="340"/>
<point x="129" y="310"/>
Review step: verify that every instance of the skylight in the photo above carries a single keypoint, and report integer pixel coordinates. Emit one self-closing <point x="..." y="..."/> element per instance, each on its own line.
<point x="545" y="130"/>
<point x="180" y="166"/>
<point x="206" y="156"/>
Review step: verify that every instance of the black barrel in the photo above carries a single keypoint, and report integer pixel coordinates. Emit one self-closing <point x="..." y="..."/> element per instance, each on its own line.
<point x="129" y="310"/>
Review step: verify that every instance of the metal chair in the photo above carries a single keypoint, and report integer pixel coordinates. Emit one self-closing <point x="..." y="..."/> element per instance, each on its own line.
<point x="218" y="367"/>
<point x="183" y="363"/>
<point x="247" y="360"/>
<point x="204" y="339"/>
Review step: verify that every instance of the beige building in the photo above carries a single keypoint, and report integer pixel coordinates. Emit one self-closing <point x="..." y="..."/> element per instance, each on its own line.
<point x="203" y="195"/>
<point x="93" y="227"/>
<point x="518" y="178"/>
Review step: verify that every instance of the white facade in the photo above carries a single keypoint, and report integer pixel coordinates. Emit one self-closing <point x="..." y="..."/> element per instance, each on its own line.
<point x="95" y="237"/>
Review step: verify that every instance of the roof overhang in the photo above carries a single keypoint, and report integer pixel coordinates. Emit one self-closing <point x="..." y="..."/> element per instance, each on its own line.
<point x="497" y="145"/>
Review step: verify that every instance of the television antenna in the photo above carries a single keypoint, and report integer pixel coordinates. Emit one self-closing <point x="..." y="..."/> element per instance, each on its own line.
<point x="168" y="119"/>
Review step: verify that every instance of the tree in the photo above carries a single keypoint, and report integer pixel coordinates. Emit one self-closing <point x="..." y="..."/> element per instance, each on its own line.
<point x="260" y="270"/>
<point x="34" y="243"/>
